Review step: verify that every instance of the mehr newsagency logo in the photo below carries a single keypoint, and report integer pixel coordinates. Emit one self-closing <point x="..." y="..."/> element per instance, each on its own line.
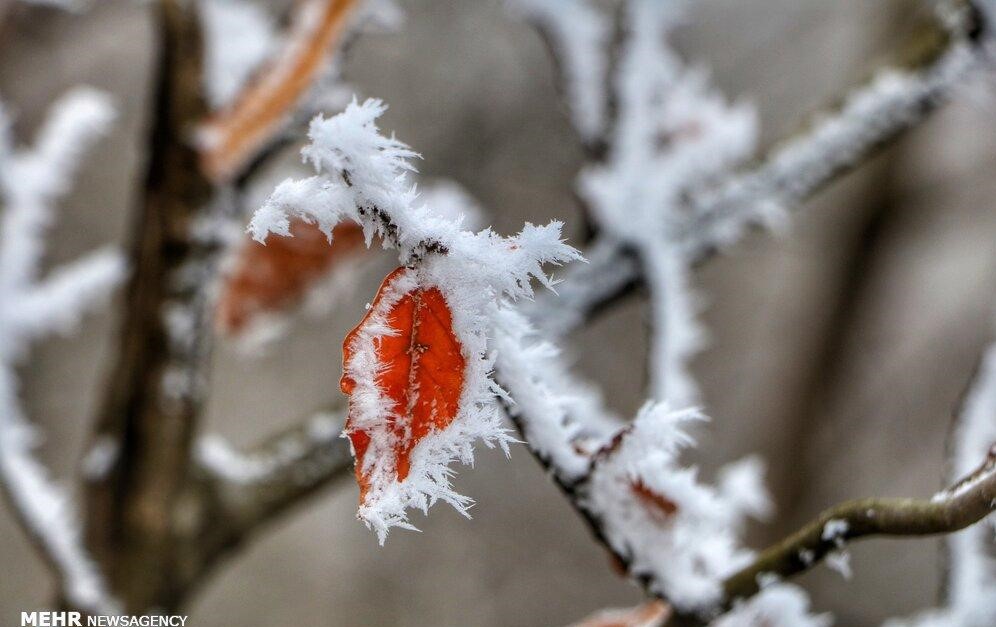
<point x="76" y="619"/>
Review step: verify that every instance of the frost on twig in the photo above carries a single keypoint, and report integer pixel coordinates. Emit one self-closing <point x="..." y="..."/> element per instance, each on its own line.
<point x="676" y="535"/>
<point x="777" y="605"/>
<point x="453" y="285"/>
<point x="970" y="588"/>
<point x="260" y="82"/>
<point x="671" y="134"/>
<point x="579" y="35"/>
<point x="239" y="35"/>
<point x="835" y="141"/>
<point x="673" y="531"/>
<point x="255" y="485"/>
<point x="32" y="307"/>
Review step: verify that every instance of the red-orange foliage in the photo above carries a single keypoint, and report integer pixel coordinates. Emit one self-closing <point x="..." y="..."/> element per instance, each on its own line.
<point x="648" y="614"/>
<point x="234" y="135"/>
<point x="421" y="370"/>
<point x="274" y="276"/>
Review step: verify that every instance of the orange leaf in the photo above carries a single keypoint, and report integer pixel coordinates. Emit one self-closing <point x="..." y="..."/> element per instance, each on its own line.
<point x="649" y="614"/>
<point x="234" y="135"/>
<point x="419" y="370"/>
<point x="275" y="276"/>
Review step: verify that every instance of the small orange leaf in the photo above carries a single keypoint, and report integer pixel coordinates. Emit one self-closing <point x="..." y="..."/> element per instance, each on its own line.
<point x="275" y="276"/>
<point x="232" y="136"/>
<point x="649" y="614"/>
<point x="419" y="370"/>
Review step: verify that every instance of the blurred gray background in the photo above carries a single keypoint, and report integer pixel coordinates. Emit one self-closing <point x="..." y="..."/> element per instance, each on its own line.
<point x="838" y="350"/>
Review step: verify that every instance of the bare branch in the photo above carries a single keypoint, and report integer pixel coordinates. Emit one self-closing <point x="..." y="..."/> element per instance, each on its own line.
<point x="259" y="484"/>
<point x="232" y="494"/>
<point x="966" y="502"/>
<point x="154" y="395"/>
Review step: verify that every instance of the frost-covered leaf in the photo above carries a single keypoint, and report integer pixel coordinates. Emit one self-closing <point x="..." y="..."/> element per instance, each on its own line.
<point x="408" y="333"/>
<point x="362" y="176"/>
<point x="678" y="533"/>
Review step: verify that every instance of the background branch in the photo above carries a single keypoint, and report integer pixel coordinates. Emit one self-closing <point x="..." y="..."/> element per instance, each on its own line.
<point x="240" y="491"/>
<point x="897" y="97"/>
<point x="154" y="394"/>
<point x="259" y="484"/>
<point x="965" y="503"/>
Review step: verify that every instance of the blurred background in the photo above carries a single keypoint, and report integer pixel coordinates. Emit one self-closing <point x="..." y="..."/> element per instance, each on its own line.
<point x="838" y="349"/>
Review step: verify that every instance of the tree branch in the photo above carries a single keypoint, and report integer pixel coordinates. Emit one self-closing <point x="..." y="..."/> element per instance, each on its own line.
<point x="965" y="503"/>
<point x="897" y="97"/>
<point x="261" y="483"/>
<point x="962" y="505"/>
<point x="238" y="492"/>
<point x="155" y="392"/>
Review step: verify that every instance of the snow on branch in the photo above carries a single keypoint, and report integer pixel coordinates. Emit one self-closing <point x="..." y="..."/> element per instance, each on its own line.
<point x="31" y="181"/>
<point x="676" y="535"/>
<point x="672" y="133"/>
<point x="256" y="110"/>
<point x="673" y="531"/>
<point x="417" y="368"/>
<point x="893" y="101"/>
<point x="715" y="215"/>
<point x="777" y="605"/>
<point x="578" y="35"/>
<point x="258" y="484"/>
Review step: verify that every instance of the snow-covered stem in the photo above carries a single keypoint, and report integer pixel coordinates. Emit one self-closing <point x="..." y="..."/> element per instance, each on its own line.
<point x="897" y="98"/>
<point x="964" y="503"/>
<point x="577" y="35"/>
<point x="258" y="484"/>
<point x="32" y="307"/>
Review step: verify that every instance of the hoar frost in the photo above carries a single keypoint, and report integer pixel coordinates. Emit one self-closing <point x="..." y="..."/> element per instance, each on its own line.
<point x="363" y="176"/>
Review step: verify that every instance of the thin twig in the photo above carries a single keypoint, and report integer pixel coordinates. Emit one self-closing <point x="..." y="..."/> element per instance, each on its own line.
<point x="259" y="484"/>
<point x="966" y="502"/>
<point x="239" y="491"/>
<point x="897" y="98"/>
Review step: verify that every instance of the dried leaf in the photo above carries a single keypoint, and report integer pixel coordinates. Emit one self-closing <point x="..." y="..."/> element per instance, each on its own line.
<point x="275" y="276"/>
<point x="661" y="506"/>
<point x="649" y="614"/>
<point x="419" y="371"/>
<point x="233" y="136"/>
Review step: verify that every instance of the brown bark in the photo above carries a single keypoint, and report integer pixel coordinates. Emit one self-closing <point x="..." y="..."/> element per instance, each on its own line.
<point x="137" y="514"/>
